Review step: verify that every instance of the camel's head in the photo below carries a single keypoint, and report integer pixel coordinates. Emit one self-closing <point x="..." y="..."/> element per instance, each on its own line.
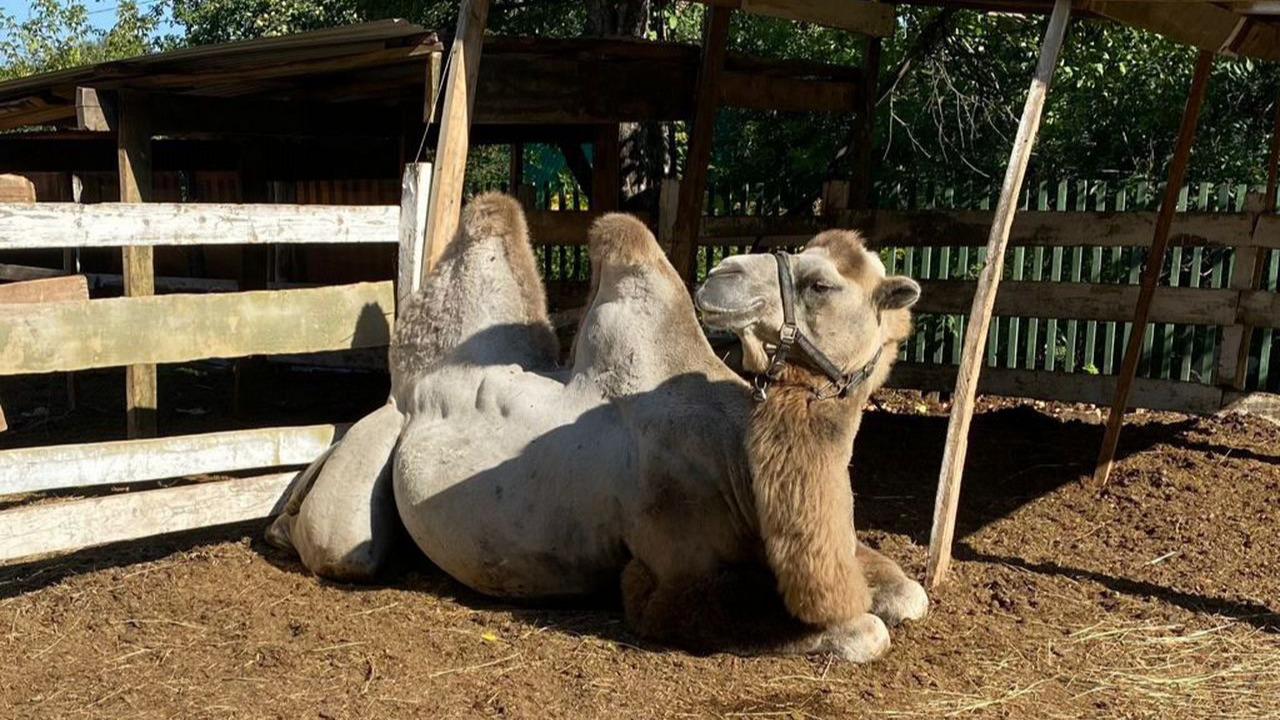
<point x="844" y="302"/>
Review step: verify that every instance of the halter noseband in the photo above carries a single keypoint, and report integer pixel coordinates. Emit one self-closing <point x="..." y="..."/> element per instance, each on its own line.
<point x="790" y="338"/>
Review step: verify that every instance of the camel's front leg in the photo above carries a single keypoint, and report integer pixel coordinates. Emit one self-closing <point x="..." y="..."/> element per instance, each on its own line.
<point x="894" y="596"/>
<point x="738" y="609"/>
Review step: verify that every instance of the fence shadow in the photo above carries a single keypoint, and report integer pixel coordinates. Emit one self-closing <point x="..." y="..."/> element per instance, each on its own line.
<point x="1016" y="455"/>
<point x="1255" y="614"/>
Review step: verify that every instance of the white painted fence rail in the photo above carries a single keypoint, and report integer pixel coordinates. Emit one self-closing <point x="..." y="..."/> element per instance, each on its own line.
<point x="64" y="526"/>
<point x="128" y="461"/>
<point x="26" y="226"/>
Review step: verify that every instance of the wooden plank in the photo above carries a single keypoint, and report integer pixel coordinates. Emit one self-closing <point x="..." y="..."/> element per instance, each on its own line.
<point x="765" y="92"/>
<point x="715" y="37"/>
<point x="450" y="168"/>
<point x="178" y="328"/>
<point x="1232" y="367"/>
<point x="17" y="189"/>
<point x="133" y="152"/>
<point x="1084" y="301"/>
<point x="944" y="517"/>
<point x="868" y="18"/>
<point x="66" y="526"/>
<point x="668" y="204"/>
<point x="1168" y="395"/>
<point x="129" y="461"/>
<point x="862" y="139"/>
<point x="1260" y="308"/>
<point x="415" y="188"/>
<point x="969" y="228"/>
<point x="1155" y="264"/>
<point x="57" y="289"/>
<point x="107" y="225"/>
<point x="93" y="113"/>
<point x="1200" y="24"/>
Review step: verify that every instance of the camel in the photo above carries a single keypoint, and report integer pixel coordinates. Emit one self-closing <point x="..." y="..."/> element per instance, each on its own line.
<point x="645" y="465"/>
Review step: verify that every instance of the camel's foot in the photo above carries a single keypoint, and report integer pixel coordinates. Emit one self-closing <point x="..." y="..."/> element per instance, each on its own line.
<point x="901" y="601"/>
<point x="861" y="640"/>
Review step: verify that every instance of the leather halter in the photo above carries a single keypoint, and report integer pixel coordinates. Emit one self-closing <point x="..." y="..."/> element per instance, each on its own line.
<point x="790" y="339"/>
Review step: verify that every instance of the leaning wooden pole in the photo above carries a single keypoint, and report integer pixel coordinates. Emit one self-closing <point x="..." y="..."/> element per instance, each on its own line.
<point x="1155" y="264"/>
<point x="450" y="166"/>
<point x="944" y="514"/>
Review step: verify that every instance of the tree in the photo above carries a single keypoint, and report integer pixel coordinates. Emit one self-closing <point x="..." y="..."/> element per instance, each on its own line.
<point x="59" y="35"/>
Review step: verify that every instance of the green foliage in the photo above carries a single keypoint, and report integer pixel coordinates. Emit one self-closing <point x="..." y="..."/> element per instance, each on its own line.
<point x="58" y="35"/>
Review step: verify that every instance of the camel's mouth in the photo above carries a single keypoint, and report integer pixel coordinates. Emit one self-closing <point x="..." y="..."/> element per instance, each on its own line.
<point x="726" y="318"/>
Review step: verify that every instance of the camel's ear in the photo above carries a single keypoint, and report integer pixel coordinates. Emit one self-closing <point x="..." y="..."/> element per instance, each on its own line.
<point x="896" y="292"/>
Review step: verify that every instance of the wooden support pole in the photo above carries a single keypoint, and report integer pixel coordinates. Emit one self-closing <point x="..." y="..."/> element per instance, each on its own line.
<point x="1233" y="352"/>
<point x="944" y="514"/>
<point x="715" y="37"/>
<point x="415" y="187"/>
<point x="606" y="169"/>
<point x="133" y="152"/>
<point x="860" y="176"/>
<point x="450" y="167"/>
<point x="1154" y="265"/>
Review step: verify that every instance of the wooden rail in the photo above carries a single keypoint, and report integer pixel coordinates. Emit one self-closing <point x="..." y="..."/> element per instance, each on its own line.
<point x="56" y="337"/>
<point x="38" y="469"/>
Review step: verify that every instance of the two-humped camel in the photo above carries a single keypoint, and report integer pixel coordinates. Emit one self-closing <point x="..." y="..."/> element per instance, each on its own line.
<point x="729" y="523"/>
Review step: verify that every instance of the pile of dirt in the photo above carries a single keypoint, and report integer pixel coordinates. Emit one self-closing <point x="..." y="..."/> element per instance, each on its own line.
<point x="1155" y="598"/>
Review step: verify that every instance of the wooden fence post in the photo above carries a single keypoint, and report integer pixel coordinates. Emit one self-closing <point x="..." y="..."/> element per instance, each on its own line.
<point x="863" y="161"/>
<point x="944" y="514"/>
<point x="1233" y="352"/>
<point x="1155" y="264"/>
<point x="133" y="145"/>
<point x="668" y="202"/>
<point x="450" y="166"/>
<point x="684" y="249"/>
<point x="606" y="171"/>
<point x="415" y="188"/>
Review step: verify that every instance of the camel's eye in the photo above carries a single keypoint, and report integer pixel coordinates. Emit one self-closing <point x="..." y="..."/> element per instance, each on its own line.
<point x="822" y="288"/>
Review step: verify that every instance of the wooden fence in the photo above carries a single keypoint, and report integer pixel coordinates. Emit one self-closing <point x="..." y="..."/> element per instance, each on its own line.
<point x="1063" y="315"/>
<point x="1071" y="282"/>
<point x="83" y="334"/>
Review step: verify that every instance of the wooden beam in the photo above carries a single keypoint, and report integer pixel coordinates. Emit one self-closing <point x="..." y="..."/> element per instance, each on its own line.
<point x="970" y="228"/>
<point x="715" y="37"/>
<point x="67" y="288"/>
<point x="1154" y="265"/>
<point x="57" y="337"/>
<point x="17" y="189"/>
<point x="450" y="164"/>
<point x="1084" y="301"/>
<point x="133" y="152"/>
<point x="415" y="187"/>
<point x="53" y="467"/>
<point x="765" y="92"/>
<point x="1200" y="24"/>
<point x="42" y="529"/>
<point x="94" y="112"/>
<point x="944" y="516"/>
<point x="862" y="167"/>
<point x="106" y="225"/>
<point x="860" y="16"/>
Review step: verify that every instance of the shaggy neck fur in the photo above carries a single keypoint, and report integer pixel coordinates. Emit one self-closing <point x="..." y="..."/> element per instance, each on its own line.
<point x="799" y="449"/>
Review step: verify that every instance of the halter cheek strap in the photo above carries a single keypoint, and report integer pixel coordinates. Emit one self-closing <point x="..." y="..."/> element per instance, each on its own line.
<point x="791" y="339"/>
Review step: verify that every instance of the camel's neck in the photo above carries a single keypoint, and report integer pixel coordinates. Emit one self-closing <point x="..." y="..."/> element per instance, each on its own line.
<point x="799" y="449"/>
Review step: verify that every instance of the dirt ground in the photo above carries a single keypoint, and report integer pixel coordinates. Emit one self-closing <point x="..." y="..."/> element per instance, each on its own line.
<point x="1156" y="599"/>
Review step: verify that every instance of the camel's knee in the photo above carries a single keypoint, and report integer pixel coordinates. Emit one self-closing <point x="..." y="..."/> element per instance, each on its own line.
<point x="345" y="526"/>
